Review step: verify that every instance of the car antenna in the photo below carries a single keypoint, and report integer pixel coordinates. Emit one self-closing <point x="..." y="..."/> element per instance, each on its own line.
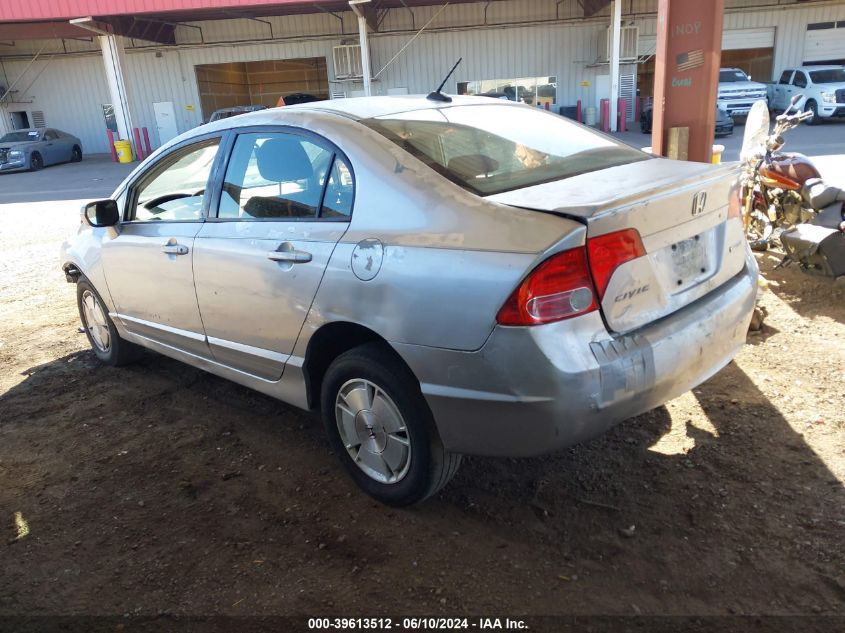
<point x="439" y="96"/>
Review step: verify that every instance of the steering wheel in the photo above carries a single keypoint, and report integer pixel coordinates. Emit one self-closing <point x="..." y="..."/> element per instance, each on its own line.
<point x="170" y="197"/>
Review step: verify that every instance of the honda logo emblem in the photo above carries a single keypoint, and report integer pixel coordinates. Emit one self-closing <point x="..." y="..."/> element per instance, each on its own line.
<point x="698" y="202"/>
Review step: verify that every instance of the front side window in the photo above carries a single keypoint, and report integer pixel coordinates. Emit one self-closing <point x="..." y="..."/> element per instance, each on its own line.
<point x="50" y="135"/>
<point x="176" y="189"/>
<point x="800" y="80"/>
<point x="490" y="149"/>
<point x="280" y="175"/>
<point x="828" y="76"/>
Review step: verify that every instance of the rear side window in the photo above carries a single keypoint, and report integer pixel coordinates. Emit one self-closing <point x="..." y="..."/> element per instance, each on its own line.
<point x="490" y="149"/>
<point x="337" y="203"/>
<point x="277" y="175"/>
<point x="784" y="78"/>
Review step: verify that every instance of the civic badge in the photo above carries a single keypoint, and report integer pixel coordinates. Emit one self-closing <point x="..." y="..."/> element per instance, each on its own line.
<point x="698" y="202"/>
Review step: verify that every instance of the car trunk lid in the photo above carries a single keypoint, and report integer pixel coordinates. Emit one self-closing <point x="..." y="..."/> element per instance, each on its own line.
<point x="679" y="209"/>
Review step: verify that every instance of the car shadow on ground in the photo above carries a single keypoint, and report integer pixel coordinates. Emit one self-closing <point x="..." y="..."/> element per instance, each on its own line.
<point x="169" y="489"/>
<point x="810" y="296"/>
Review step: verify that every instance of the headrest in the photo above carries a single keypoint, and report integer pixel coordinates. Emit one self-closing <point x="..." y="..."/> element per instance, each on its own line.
<point x="472" y="165"/>
<point x="283" y="159"/>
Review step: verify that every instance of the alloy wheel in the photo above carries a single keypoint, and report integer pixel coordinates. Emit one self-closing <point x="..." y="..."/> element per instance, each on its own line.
<point x="373" y="431"/>
<point x="95" y="321"/>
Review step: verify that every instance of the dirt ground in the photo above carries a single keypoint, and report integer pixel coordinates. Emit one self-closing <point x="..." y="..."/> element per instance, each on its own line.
<point x="158" y="489"/>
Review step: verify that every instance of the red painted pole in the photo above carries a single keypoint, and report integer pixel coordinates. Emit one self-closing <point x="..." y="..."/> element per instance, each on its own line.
<point x="578" y="114"/>
<point x="139" y="151"/>
<point x="605" y="115"/>
<point x="622" y="111"/>
<point x="111" y="145"/>
<point x="147" y="142"/>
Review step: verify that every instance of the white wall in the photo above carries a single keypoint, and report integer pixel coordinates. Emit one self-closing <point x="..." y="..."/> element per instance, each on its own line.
<point x="516" y="38"/>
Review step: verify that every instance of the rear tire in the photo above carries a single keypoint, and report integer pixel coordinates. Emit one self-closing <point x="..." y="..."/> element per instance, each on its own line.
<point x="76" y="154"/>
<point x="36" y="162"/>
<point x="100" y="329"/>
<point x="381" y="427"/>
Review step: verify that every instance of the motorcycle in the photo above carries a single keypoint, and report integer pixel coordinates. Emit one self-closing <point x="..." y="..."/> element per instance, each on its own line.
<point x="784" y="197"/>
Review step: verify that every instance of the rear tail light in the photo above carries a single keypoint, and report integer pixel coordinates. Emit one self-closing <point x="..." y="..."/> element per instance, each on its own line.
<point x="608" y="252"/>
<point x="735" y="201"/>
<point x="559" y="288"/>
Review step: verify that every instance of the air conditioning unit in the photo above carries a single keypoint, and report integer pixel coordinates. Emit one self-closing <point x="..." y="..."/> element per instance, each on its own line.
<point x="347" y="61"/>
<point x="628" y="43"/>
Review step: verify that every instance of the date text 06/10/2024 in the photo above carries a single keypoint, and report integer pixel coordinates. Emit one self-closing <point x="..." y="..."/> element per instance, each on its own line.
<point x="416" y="624"/>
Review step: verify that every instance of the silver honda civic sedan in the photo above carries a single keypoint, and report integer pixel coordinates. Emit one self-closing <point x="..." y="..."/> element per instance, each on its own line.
<point x="437" y="278"/>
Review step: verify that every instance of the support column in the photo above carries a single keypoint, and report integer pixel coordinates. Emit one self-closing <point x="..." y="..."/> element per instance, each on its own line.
<point x="365" y="53"/>
<point x="114" y="61"/>
<point x="616" y="30"/>
<point x="686" y="74"/>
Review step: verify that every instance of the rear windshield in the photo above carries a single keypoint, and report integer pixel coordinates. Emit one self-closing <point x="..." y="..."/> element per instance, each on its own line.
<point x="828" y="76"/>
<point x="727" y="76"/>
<point x="490" y="149"/>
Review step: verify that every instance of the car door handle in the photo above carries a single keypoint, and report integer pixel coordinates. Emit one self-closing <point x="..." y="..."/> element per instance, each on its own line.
<point x="293" y="257"/>
<point x="174" y="249"/>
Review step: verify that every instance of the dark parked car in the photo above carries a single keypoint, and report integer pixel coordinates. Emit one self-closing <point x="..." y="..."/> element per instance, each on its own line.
<point x="38" y="147"/>
<point x="296" y="98"/>
<point x="724" y="123"/>
<point x="225" y="113"/>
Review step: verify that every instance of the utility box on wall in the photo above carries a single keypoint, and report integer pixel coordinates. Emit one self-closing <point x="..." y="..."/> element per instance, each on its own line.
<point x="347" y="61"/>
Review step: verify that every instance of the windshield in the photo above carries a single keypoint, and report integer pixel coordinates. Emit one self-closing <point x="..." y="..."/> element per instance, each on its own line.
<point x="756" y="131"/>
<point x="727" y="76"/>
<point x="828" y="76"/>
<point x="490" y="149"/>
<point x="18" y="137"/>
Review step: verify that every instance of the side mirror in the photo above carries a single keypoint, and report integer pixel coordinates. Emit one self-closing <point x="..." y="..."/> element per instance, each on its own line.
<point x="795" y="99"/>
<point x="102" y="213"/>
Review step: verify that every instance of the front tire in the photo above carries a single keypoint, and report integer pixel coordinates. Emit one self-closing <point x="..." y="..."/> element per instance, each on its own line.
<point x="100" y="329"/>
<point x="381" y="427"/>
<point x="812" y="107"/>
<point x="36" y="162"/>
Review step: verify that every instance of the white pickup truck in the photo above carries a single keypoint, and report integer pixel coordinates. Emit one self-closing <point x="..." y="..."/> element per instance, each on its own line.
<point x="823" y="88"/>
<point x="737" y="93"/>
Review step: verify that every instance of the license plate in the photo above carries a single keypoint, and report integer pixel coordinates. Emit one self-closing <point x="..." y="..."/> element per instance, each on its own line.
<point x="688" y="259"/>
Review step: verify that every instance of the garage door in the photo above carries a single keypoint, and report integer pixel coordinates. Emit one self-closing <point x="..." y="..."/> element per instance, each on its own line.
<point x="732" y="40"/>
<point x="825" y="42"/>
<point x="739" y="39"/>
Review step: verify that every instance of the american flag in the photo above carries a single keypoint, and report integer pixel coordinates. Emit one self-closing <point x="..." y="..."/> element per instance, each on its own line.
<point x="692" y="59"/>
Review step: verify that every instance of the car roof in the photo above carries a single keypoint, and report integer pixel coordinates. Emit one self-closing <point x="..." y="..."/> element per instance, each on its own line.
<point x="827" y="67"/>
<point x="368" y="107"/>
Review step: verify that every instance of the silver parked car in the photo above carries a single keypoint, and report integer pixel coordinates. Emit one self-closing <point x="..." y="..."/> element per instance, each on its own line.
<point x="38" y="147"/>
<point x="472" y="277"/>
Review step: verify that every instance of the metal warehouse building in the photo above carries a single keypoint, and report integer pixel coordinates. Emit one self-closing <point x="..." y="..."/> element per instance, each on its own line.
<point x="175" y="61"/>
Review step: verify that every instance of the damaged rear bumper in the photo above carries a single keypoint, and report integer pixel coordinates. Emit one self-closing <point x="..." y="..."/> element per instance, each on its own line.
<point x="531" y="391"/>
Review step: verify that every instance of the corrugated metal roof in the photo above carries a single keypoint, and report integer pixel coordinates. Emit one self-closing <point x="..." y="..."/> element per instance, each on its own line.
<point x="68" y="9"/>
